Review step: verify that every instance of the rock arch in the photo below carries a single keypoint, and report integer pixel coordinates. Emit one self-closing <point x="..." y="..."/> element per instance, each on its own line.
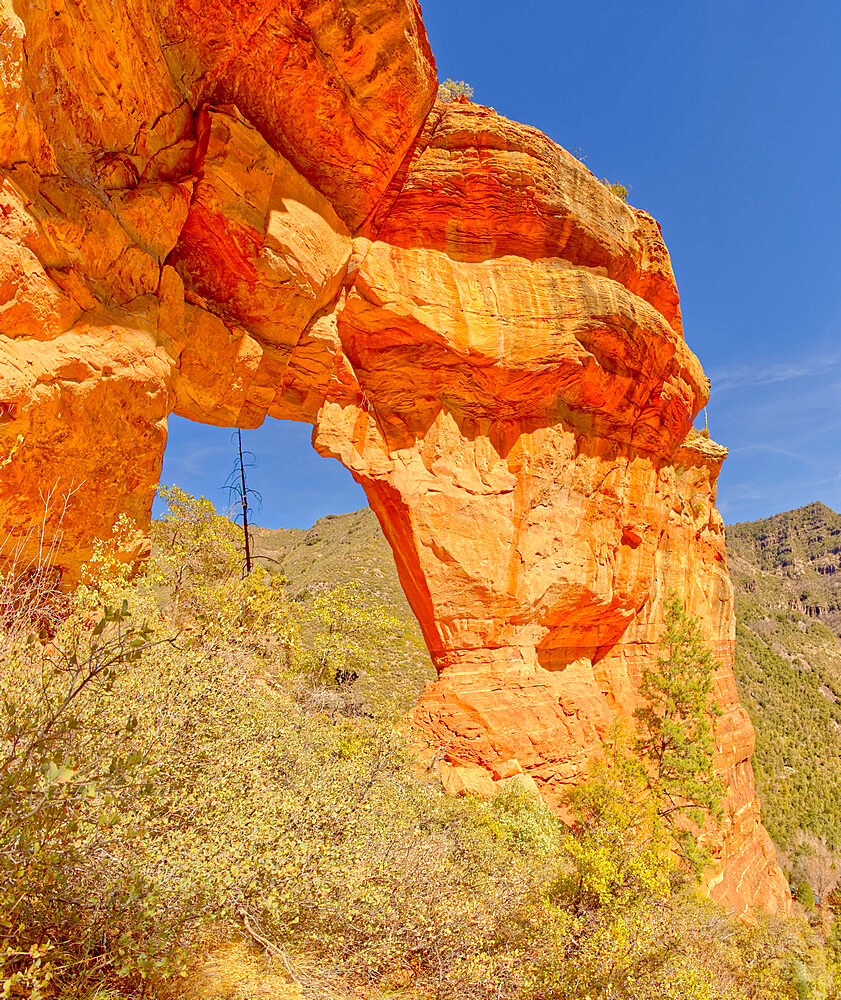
<point x="234" y="211"/>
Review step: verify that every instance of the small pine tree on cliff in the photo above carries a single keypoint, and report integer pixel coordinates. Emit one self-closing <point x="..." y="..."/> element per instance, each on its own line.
<point x="675" y="735"/>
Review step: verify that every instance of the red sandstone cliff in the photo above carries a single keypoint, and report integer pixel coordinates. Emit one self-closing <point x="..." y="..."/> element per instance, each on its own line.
<point x="234" y="210"/>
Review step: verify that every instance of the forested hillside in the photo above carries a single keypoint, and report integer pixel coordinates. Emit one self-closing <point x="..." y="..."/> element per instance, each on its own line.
<point x="349" y="552"/>
<point x="802" y="549"/>
<point x="785" y="570"/>
<point x="337" y="550"/>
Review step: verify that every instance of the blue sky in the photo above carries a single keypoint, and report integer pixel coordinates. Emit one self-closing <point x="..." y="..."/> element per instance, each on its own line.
<point x="724" y="120"/>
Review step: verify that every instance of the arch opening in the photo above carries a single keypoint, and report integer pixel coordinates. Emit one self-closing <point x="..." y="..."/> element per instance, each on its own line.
<point x="297" y="485"/>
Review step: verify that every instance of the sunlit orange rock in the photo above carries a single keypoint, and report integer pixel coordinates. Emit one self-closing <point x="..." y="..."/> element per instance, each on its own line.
<point x="240" y="210"/>
<point x="338" y="87"/>
<point x="478" y="186"/>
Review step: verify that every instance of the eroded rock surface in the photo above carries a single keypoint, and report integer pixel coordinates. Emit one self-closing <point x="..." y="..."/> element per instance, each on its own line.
<point x="240" y="210"/>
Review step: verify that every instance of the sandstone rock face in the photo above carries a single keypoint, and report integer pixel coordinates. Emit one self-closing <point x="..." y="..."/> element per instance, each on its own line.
<point x="240" y="210"/>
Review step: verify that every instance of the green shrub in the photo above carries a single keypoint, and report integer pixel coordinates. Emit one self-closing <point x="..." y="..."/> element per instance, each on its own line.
<point x="197" y="550"/>
<point x="619" y="190"/>
<point x="805" y="896"/>
<point x="451" y="90"/>
<point x="347" y="647"/>
<point x="70" y="779"/>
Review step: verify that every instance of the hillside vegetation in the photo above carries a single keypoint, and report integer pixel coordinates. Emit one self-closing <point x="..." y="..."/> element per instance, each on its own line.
<point x="349" y="551"/>
<point x="802" y="549"/>
<point x="785" y="570"/>
<point x="189" y="775"/>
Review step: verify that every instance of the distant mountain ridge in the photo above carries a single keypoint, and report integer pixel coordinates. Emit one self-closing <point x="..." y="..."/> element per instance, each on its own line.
<point x="786" y="571"/>
<point x="803" y="548"/>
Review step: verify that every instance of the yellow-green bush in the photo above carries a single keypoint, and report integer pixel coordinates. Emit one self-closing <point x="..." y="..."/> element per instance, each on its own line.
<point x="620" y="190"/>
<point x="449" y="90"/>
<point x="193" y="791"/>
<point x="72" y="783"/>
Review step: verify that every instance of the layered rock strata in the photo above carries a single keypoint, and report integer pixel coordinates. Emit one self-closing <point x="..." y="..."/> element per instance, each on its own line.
<point x="240" y="210"/>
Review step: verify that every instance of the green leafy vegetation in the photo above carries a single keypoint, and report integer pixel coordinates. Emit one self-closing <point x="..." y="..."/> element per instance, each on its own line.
<point x="214" y="762"/>
<point x="451" y="90"/>
<point x="348" y="555"/>
<point x="72" y="782"/>
<point x="619" y="190"/>
<point x="788" y="668"/>
<point x="675" y="741"/>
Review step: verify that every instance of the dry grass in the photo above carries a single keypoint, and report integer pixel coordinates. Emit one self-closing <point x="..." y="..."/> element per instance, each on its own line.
<point x="235" y="971"/>
<point x="240" y="970"/>
<point x="31" y="597"/>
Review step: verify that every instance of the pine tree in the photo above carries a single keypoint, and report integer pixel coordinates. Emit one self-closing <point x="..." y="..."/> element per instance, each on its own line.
<point x="675" y="735"/>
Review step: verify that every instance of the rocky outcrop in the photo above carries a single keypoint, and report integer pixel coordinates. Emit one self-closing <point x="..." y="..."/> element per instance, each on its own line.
<point x="233" y="211"/>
